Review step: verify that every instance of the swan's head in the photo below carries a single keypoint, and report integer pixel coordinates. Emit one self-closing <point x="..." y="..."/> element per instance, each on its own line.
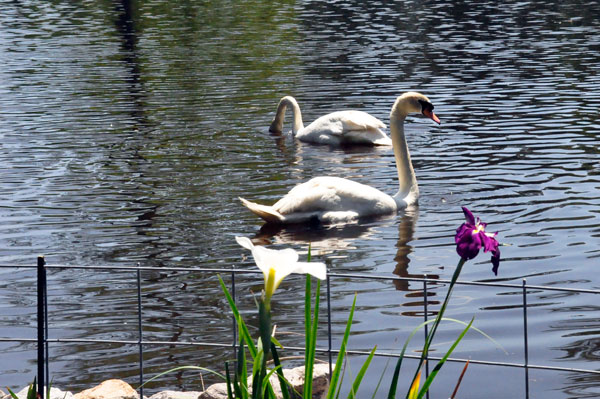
<point x="277" y="123"/>
<point x="413" y="103"/>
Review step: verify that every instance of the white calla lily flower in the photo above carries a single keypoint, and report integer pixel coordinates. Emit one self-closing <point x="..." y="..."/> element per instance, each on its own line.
<point x="278" y="264"/>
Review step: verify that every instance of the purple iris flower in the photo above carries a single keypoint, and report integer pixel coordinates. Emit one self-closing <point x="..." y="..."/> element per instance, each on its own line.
<point x="471" y="237"/>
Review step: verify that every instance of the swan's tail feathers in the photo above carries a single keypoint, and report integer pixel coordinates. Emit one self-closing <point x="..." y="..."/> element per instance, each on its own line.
<point x="383" y="141"/>
<point x="269" y="214"/>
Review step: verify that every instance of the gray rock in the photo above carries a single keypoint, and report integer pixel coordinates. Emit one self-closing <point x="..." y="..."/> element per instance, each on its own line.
<point x="55" y="393"/>
<point x="109" y="389"/>
<point x="176" y="395"/>
<point x="294" y="376"/>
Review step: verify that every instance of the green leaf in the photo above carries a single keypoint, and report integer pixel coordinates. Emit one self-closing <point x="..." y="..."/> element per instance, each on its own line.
<point x="394" y="383"/>
<point x="361" y="374"/>
<point x="266" y="384"/>
<point x="439" y="316"/>
<point x="32" y="391"/>
<point x="257" y="373"/>
<point x="264" y="328"/>
<point x="438" y="366"/>
<point x="276" y="343"/>
<point x="479" y="331"/>
<point x="312" y="345"/>
<point x="14" y="395"/>
<point x="414" y="387"/>
<point x="335" y="377"/>
<point x="238" y="318"/>
<point x="383" y="373"/>
<point x="184" y="368"/>
<point x="241" y="375"/>
<point x="228" y="381"/>
<point x="283" y="383"/>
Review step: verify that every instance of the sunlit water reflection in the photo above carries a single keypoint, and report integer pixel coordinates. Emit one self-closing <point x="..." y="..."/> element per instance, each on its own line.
<point x="127" y="132"/>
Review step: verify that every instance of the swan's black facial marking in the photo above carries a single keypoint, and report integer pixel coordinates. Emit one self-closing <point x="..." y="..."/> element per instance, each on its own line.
<point x="426" y="106"/>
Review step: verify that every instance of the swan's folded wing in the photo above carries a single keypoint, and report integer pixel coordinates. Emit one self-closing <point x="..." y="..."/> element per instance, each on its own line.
<point x="358" y="120"/>
<point x="361" y="127"/>
<point x="331" y="194"/>
<point x="314" y="195"/>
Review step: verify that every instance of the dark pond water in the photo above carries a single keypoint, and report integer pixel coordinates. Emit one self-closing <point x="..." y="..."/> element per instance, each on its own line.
<point x="128" y="130"/>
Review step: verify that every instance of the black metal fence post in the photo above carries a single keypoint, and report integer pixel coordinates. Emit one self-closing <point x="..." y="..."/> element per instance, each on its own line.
<point x="425" y="317"/>
<point x="525" y="339"/>
<point x="233" y="321"/>
<point x="140" y="329"/>
<point x="41" y="328"/>
<point x="329" y="346"/>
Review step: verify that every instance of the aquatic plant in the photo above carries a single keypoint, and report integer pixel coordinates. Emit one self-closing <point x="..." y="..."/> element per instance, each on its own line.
<point x="470" y="238"/>
<point x="276" y="265"/>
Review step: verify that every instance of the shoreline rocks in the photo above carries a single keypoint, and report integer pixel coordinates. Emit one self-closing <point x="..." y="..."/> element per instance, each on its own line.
<point x="119" y="389"/>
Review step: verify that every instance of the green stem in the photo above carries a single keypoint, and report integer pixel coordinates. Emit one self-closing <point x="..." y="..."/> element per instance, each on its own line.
<point x="264" y="316"/>
<point x="439" y="316"/>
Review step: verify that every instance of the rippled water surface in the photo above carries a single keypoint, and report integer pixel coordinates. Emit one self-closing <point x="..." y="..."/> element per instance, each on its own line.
<point x="129" y="130"/>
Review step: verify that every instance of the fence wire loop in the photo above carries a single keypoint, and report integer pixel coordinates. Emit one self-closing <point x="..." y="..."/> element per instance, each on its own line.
<point x="44" y="341"/>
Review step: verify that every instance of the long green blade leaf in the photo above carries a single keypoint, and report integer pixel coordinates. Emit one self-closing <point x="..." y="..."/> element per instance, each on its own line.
<point x="283" y="383"/>
<point x="241" y="375"/>
<point x="228" y="381"/>
<point x="340" y="359"/>
<point x="361" y="374"/>
<point x="238" y="318"/>
<point x="257" y="370"/>
<point x="312" y="346"/>
<point x="439" y="316"/>
<point x="244" y="333"/>
<point x="438" y="366"/>
<point x="184" y="368"/>
<point x="14" y="395"/>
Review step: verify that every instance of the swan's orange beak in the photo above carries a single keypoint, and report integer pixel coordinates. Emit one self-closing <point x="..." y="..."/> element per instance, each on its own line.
<point x="431" y="116"/>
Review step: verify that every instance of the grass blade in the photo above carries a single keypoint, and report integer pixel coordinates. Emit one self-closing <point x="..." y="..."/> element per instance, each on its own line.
<point x="340" y="359"/>
<point x="184" y="368"/>
<point x="256" y="374"/>
<point x="312" y="344"/>
<point x="438" y="366"/>
<point x="228" y="381"/>
<point x="440" y="314"/>
<point x="241" y="375"/>
<point x="283" y="383"/>
<point x="459" y="380"/>
<point x="414" y="388"/>
<point x="361" y="374"/>
<point x="243" y="329"/>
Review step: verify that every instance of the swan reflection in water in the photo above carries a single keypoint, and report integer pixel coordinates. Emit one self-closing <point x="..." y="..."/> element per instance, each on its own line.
<point x="340" y="159"/>
<point x="323" y="239"/>
<point x="406" y="231"/>
<point x="334" y="240"/>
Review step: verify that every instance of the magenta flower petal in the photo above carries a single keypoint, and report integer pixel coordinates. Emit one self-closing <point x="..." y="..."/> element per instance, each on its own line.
<point x="489" y="242"/>
<point x="495" y="261"/>
<point x="468" y="216"/>
<point x="471" y="237"/>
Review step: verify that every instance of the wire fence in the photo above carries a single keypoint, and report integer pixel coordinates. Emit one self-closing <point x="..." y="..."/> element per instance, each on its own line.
<point x="44" y="341"/>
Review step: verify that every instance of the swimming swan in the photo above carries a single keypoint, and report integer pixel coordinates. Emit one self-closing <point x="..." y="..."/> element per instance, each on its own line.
<point x="335" y="200"/>
<point x="341" y="127"/>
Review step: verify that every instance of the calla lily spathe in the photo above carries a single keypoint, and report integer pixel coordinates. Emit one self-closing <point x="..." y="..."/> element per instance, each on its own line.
<point x="278" y="264"/>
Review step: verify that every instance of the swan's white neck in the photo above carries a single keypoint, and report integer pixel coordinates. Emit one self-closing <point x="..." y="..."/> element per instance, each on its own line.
<point x="277" y="124"/>
<point x="408" y="191"/>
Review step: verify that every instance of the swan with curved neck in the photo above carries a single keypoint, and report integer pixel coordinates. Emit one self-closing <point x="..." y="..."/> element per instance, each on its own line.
<point x="336" y="200"/>
<point x="336" y="128"/>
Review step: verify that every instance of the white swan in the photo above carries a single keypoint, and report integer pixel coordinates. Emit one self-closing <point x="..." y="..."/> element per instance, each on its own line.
<point x="341" y="127"/>
<point x="334" y="200"/>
